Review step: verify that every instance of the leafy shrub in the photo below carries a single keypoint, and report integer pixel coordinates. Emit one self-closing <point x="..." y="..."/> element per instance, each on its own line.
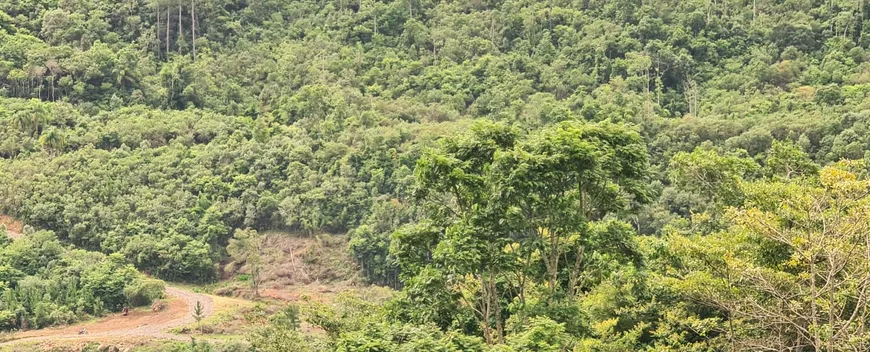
<point x="144" y="292"/>
<point x="542" y="334"/>
<point x="7" y="320"/>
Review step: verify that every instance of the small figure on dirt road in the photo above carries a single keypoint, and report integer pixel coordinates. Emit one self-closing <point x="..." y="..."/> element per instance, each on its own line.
<point x="83" y="331"/>
<point x="125" y="311"/>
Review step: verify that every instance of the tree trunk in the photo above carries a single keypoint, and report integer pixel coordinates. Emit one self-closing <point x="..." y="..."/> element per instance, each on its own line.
<point x="157" y="30"/>
<point x="193" y="27"/>
<point x="167" y="31"/>
<point x="575" y="273"/>
<point x="171" y="85"/>
<point x="179" y="27"/>
<point x="486" y="310"/>
<point x="552" y="261"/>
<point x="754" y="10"/>
<point x="499" y="326"/>
<point x="860" y="28"/>
<point x="817" y="341"/>
<point x="256" y="278"/>
<point x="831" y="305"/>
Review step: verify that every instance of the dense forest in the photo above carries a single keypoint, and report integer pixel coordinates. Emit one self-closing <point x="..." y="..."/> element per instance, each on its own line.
<point x="553" y="175"/>
<point x="43" y="284"/>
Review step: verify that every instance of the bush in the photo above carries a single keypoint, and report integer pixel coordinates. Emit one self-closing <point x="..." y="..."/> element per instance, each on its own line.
<point x="277" y="340"/>
<point x="7" y="320"/>
<point x="144" y="292"/>
<point x="197" y="346"/>
<point x="542" y="334"/>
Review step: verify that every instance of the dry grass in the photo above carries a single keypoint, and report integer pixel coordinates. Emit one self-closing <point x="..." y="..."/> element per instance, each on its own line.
<point x="326" y="293"/>
<point x="13" y="227"/>
<point x="320" y="261"/>
<point x="228" y="318"/>
<point x="11" y="224"/>
<point x="128" y="344"/>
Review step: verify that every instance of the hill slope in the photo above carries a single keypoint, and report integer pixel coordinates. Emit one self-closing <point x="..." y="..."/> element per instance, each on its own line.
<point x="585" y="172"/>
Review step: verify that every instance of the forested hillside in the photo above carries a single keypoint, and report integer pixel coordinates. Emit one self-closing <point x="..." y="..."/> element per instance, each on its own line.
<point x="550" y="175"/>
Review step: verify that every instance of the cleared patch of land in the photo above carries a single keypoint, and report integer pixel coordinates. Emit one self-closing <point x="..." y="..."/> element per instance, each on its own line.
<point x="14" y="228"/>
<point x="291" y="260"/>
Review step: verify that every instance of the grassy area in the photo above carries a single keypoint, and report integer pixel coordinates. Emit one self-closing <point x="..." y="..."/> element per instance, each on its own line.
<point x="229" y="319"/>
<point x="6" y="336"/>
<point x="217" y="343"/>
<point x="233" y="319"/>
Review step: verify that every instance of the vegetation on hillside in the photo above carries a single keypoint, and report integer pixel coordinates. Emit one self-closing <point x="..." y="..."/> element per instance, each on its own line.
<point x="531" y="175"/>
<point x="42" y="283"/>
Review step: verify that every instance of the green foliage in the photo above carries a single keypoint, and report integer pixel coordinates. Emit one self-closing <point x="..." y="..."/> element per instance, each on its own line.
<point x="767" y="265"/>
<point x="33" y="252"/>
<point x="786" y="160"/>
<point x="42" y="283"/>
<point x="144" y="292"/>
<point x="199" y="346"/>
<point x="279" y="339"/>
<point x="108" y="281"/>
<point x="351" y="314"/>
<point x="247" y="247"/>
<point x="283" y="332"/>
<point x="287" y="318"/>
<point x="370" y="242"/>
<point x="7" y="320"/>
<point x="311" y="116"/>
<point x="198" y="312"/>
<point x="406" y="338"/>
<point x="708" y="172"/>
<point x="541" y="334"/>
<point x="356" y="325"/>
<point x="154" y="130"/>
<point x="507" y="213"/>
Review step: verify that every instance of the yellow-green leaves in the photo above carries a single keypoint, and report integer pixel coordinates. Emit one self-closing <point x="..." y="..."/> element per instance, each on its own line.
<point x="795" y="264"/>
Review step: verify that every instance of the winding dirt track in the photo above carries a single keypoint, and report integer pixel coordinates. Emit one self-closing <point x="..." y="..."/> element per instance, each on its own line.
<point x="138" y="324"/>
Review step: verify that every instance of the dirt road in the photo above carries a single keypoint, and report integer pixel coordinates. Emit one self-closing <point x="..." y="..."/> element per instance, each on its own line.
<point x="180" y="312"/>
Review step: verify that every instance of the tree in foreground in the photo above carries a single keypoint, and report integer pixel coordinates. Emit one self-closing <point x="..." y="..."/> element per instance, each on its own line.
<point x="516" y="224"/>
<point x="199" y="314"/>
<point x="794" y="271"/>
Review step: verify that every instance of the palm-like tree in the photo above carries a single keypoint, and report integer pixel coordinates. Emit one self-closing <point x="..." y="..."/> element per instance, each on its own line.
<point x="125" y="75"/>
<point x="23" y="121"/>
<point x="32" y="120"/>
<point x="53" y="140"/>
<point x="39" y="116"/>
<point x="55" y="69"/>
